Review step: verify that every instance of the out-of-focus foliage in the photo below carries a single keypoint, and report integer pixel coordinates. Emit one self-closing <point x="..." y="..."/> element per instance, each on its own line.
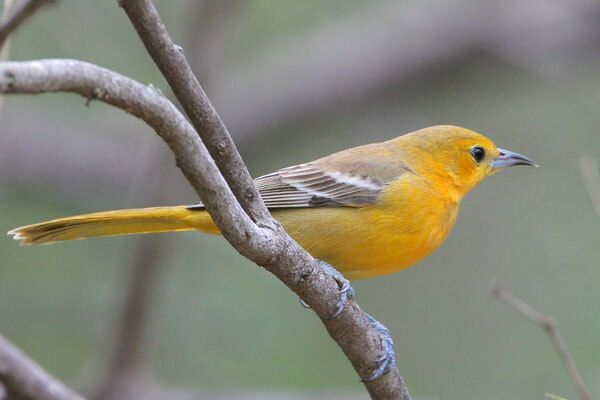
<point x="222" y="322"/>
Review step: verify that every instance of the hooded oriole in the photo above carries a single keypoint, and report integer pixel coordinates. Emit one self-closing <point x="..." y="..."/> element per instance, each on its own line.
<point x="369" y="210"/>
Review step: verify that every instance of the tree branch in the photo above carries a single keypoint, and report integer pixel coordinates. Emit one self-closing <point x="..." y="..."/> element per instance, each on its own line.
<point x="172" y="63"/>
<point x="267" y="246"/>
<point x="548" y="324"/>
<point x="16" y="15"/>
<point x="23" y="379"/>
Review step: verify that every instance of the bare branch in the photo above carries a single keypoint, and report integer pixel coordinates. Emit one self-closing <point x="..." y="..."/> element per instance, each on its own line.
<point x="17" y="14"/>
<point x="172" y="63"/>
<point x="270" y="247"/>
<point x="549" y="325"/>
<point x="588" y="166"/>
<point x="24" y="379"/>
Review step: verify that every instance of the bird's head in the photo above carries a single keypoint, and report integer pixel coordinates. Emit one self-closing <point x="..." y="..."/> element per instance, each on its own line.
<point x="458" y="157"/>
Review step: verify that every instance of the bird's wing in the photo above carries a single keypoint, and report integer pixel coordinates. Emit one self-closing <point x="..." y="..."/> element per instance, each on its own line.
<point x="351" y="178"/>
<point x="307" y="185"/>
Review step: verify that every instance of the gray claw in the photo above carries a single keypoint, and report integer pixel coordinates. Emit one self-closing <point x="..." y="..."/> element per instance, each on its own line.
<point x="388" y="358"/>
<point x="346" y="290"/>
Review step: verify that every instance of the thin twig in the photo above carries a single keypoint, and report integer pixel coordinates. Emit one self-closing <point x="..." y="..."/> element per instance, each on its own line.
<point x="588" y="166"/>
<point x="270" y="247"/>
<point x="24" y="379"/>
<point x="16" y="15"/>
<point x="547" y="323"/>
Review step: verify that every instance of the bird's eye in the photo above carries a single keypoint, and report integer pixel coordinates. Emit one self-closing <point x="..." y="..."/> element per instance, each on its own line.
<point x="478" y="153"/>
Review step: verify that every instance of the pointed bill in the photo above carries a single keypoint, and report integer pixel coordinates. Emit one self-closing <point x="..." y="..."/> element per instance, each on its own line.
<point x="509" y="158"/>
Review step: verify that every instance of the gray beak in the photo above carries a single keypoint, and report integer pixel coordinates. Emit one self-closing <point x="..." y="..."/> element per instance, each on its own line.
<point x="508" y="158"/>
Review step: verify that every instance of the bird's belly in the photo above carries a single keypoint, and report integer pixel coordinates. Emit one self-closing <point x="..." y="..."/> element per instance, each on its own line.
<point x="368" y="242"/>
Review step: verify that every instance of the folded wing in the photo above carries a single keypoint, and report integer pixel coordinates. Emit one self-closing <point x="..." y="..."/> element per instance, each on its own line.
<point x="346" y="179"/>
<point x="307" y="185"/>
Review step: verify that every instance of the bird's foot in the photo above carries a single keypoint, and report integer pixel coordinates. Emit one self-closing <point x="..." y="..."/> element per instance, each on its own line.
<point x="346" y="291"/>
<point x="388" y="359"/>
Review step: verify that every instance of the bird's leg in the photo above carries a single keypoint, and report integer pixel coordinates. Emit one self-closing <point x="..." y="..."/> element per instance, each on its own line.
<point x="388" y="359"/>
<point x="346" y="290"/>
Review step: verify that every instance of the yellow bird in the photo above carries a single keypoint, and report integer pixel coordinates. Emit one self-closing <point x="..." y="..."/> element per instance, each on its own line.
<point x="368" y="211"/>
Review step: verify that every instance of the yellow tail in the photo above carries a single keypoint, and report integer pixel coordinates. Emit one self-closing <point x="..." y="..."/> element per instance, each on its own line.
<point x="122" y="222"/>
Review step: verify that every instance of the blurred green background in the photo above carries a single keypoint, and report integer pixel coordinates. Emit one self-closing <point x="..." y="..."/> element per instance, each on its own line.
<point x="294" y="81"/>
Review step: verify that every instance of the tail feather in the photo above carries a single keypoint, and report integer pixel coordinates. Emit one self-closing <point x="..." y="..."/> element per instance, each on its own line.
<point x="122" y="222"/>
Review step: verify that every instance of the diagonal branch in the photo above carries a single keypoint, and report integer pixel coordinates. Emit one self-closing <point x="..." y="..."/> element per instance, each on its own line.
<point x="172" y="63"/>
<point x="25" y="380"/>
<point x="270" y="247"/>
<point x="16" y="15"/>
<point x="548" y="324"/>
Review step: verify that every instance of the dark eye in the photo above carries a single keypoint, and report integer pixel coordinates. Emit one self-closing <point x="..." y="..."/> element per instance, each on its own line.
<point x="478" y="153"/>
